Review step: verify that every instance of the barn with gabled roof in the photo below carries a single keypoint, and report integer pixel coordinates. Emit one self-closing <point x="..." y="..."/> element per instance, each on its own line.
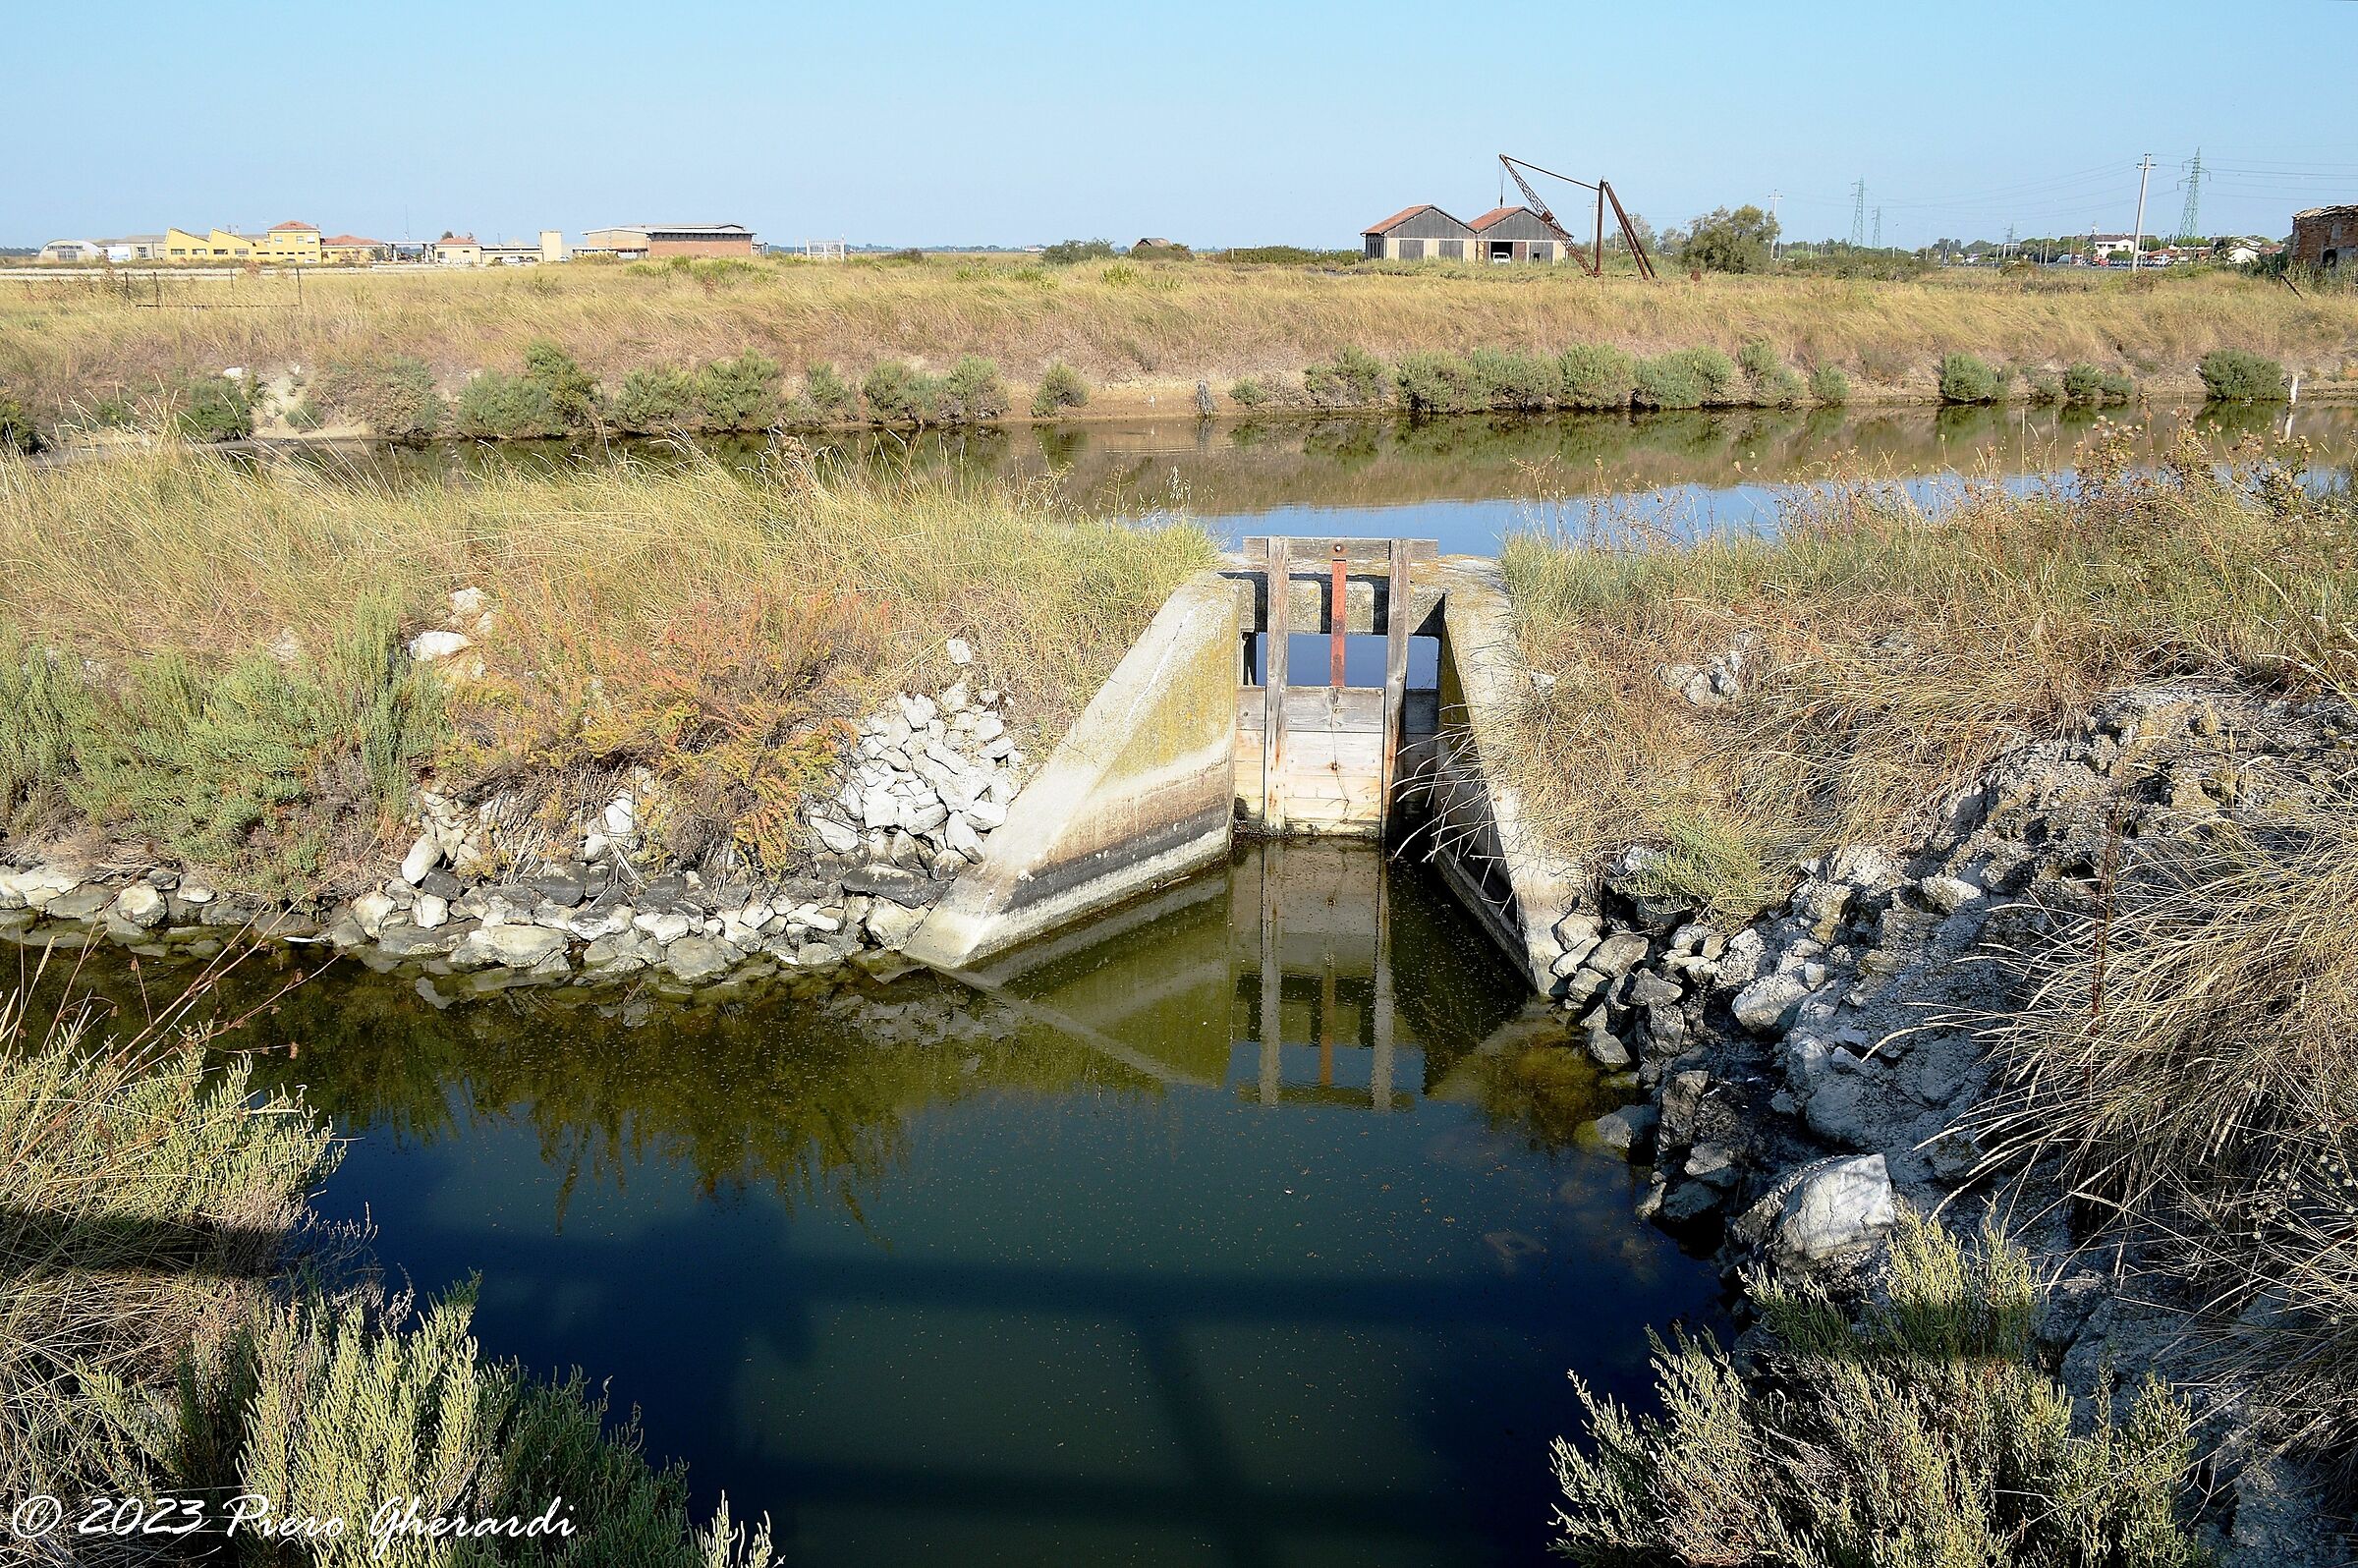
<point x="1421" y="233"/>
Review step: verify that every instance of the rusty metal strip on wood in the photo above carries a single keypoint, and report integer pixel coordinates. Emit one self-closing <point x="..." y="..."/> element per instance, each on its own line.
<point x="1395" y="680"/>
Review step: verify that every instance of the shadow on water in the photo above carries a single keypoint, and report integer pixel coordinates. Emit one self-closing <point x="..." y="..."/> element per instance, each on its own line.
<point x="1183" y="1237"/>
<point x="1466" y="480"/>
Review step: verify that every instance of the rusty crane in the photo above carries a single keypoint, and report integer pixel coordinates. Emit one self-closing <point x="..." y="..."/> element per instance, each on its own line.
<point x="1595" y="265"/>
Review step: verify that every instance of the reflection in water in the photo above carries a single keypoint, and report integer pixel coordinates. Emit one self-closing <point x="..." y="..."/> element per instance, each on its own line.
<point x="1179" y="1238"/>
<point x="1468" y="480"/>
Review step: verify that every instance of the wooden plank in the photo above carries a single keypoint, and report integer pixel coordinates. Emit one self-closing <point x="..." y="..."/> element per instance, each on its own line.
<point x="1351" y="711"/>
<point x="1364" y="557"/>
<point x="1395" y="677"/>
<point x="1272" y="722"/>
<point x="1379" y="1069"/>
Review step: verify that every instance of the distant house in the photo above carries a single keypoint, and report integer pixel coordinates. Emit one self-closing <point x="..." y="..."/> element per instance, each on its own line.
<point x="134" y="248"/>
<point x="1515" y="234"/>
<point x="636" y="240"/>
<point x="74" y="251"/>
<point x="353" y="250"/>
<point x="457" y="251"/>
<point x="1417" y="233"/>
<point x="2325" y="239"/>
<point x="2104" y="247"/>
<point x="1149" y="246"/>
<point x="290" y="243"/>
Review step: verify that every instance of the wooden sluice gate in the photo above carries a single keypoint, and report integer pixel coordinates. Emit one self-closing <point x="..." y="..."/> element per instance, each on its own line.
<point x="1331" y="758"/>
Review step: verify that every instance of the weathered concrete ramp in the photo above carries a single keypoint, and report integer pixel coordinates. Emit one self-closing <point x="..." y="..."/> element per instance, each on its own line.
<point x="1140" y="792"/>
<point x="1481" y="843"/>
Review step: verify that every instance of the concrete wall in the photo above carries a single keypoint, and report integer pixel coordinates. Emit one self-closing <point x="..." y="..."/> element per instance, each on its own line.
<point x="1483" y="846"/>
<point x="1138" y="793"/>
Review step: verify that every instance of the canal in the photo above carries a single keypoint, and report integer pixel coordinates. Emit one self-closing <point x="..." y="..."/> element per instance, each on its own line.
<point x="1469" y="481"/>
<point x="1188" y="1236"/>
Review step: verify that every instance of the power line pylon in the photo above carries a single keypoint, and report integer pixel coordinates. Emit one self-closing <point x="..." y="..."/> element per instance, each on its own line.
<point x="1858" y="215"/>
<point x="2190" y="220"/>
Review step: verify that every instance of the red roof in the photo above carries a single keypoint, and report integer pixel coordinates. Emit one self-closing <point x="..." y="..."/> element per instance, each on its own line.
<point x="456" y="239"/>
<point x="1498" y="214"/>
<point x="1402" y="216"/>
<point x="281" y="228"/>
<point x="349" y="239"/>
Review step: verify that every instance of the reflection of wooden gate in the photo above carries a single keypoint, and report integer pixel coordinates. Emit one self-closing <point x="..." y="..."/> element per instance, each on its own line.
<point x="1326" y="758"/>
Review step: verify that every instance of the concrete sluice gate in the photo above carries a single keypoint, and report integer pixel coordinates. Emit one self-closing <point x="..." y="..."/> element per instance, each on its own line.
<point x="1305" y="689"/>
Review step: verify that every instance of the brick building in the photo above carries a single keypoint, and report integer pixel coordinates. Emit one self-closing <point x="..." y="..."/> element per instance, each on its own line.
<point x="2325" y="239"/>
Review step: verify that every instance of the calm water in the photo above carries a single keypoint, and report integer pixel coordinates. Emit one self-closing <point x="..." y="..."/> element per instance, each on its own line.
<point x="1468" y="482"/>
<point x="1072" y="1265"/>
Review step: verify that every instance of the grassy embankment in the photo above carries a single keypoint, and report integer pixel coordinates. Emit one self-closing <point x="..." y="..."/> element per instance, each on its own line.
<point x="176" y="1325"/>
<point x="2183" y="1051"/>
<point x="204" y="656"/>
<point x="1890" y="655"/>
<point x="1142" y="334"/>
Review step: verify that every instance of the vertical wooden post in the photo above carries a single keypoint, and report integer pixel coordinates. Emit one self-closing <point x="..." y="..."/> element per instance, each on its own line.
<point x="1326" y="1012"/>
<point x="1396" y="614"/>
<point x="1272" y="722"/>
<point x="1597" y="269"/>
<point x="1273" y="980"/>
<point x="1337" y="621"/>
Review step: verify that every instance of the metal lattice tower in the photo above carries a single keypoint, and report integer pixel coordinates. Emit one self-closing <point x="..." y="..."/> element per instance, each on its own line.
<point x="2190" y="220"/>
<point x="1878" y="228"/>
<point x="1858" y="213"/>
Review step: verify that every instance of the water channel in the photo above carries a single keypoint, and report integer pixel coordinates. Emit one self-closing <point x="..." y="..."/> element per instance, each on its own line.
<point x="1190" y="1236"/>
<point x="1468" y="482"/>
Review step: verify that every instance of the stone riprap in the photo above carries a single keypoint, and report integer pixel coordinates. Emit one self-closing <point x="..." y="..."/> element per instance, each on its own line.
<point x="909" y="809"/>
<point x="1805" y="1076"/>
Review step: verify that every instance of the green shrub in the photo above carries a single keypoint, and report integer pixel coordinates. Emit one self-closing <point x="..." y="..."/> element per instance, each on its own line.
<point x="1067" y="253"/>
<point x="1439" y="383"/>
<point x="572" y="393"/>
<point x="1667" y="381"/>
<point x="1775" y="383"/>
<point x="828" y="392"/>
<point x="1596" y="376"/>
<point x="2237" y="375"/>
<point x="1249" y="393"/>
<point x="971" y="392"/>
<point x="1715" y="370"/>
<point x="18" y="432"/>
<point x="897" y="393"/>
<point x="1927" y="1434"/>
<point x="281" y="777"/>
<point x="1968" y="378"/>
<point x="1356" y="379"/>
<point x="1508" y="379"/>
<point x="214" y="408"/>
<point x="1829" y="384"/>
<point x="740" y="394"/>
<point x="1722" y="241"/>
<point x="660" y="398"/>
<point x="2042" y="385"/>
<point x="393" y="395"/>
<point x="1289" y="255"/>
<point x="1060" y="387"/>
<point x="2084" y="383"/>
<point x="494" y="406"/>
<point x="45" y="712"/>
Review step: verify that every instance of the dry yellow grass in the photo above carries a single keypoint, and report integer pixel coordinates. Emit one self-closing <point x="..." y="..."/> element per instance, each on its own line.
<point x="1895" y="655"/>
<point x="1139" y="325"/>
<point x="713" y="625"/>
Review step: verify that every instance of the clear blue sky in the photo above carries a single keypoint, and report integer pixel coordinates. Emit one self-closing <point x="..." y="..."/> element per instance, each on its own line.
<point x="1209" y="122"/>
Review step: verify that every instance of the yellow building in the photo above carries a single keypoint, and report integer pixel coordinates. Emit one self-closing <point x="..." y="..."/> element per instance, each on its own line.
<point x="182" y="246"/>
<point x="290" y="243"/>
<point x="353" y="250"/>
